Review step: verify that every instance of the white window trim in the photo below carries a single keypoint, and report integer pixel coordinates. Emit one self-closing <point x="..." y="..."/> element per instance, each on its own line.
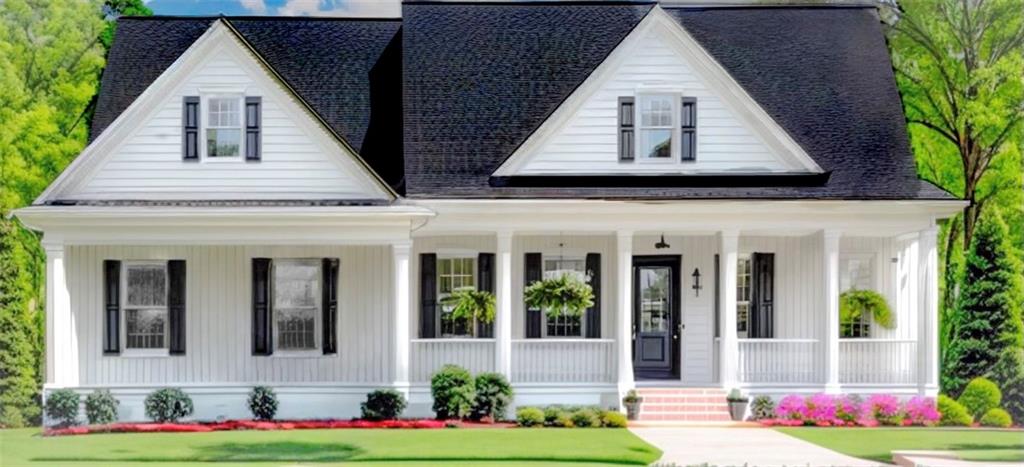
<point x="675" y="99"/>
<point x="317" y="314"/>
<point x="454" y="253"/>
<point x="749" y="258"/>
<point x="126" y="351"/>
<point x="572" y="255"/>
<point x="204" y="124"/>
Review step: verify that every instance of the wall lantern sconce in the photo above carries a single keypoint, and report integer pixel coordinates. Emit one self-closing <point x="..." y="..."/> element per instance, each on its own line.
<point x="696" y="282"/>
<point x="661" y="244"/>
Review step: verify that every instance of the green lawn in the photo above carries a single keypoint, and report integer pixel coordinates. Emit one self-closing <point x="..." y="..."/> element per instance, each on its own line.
<point x="326" y="447"/>
<point x="877" y="444"/>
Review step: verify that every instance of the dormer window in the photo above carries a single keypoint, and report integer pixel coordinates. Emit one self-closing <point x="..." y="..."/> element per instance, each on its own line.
<point x="224" y="127"/>
<point x="664" y="125"/>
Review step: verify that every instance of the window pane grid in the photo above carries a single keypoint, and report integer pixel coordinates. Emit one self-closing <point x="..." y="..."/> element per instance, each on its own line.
<point x="455" y="274"/>
<point x="145" y="312"/>
<point x="296" y="291"/>
<point x="743" y="289"/>
<point x="145" y="328"/>
<point x="223" y="127"/>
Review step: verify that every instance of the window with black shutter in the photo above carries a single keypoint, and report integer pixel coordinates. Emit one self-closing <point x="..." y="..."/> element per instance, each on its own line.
<point x="190" y="128"/>
<point x="627" y="147"/>
<point x="688" y="129"/>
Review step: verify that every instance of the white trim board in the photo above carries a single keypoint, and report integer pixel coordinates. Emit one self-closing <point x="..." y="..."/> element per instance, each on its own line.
<point x="218" y="38"/>
<point x="707" y="70"/>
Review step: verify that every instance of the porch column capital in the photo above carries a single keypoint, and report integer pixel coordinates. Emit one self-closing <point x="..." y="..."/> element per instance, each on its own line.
<point x="625" y="238"/>
<point x="401" y="247"/>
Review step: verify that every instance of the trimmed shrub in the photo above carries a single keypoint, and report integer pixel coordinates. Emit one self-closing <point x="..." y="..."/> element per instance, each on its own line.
<point x="62" y="407"/>
<point x="101" y="407"/>
<point x="585" y="418"/>
<point x="996" y="418"/>
<point x="564" y="420"/>
<point x="762" y="408"/>
<point x="613" y="419"/>
<point x="552" y="413"/>
<point x="383" y="404"/>
<point x="168" y="405"/>
<point x="454" y="392"/>
<point x="529" y="417"/>
<point x="493" y="396"/>
<point x="980" y="396"/>
<point x="262" y="403"/>
<point x="1008" y="373"/>
<point x="951" y="413"/>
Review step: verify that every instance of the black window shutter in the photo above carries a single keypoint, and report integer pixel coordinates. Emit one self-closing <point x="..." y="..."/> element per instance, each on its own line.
<point x="762" y="319"/>
<point x="428" y="295"/>
<point x="485" y="282"/>
<point x="593" y="314"/>
<point x="688" y="125"/>
<point x="626" y="128"/>
<point x="112" y="307"/>
<point x="253" y="117"/>
<point x="190" y="128"/>
<point x="262" y="336"/>
<point x="533" y="273"/>
<point x="329" y="305"/>
<point x="176" y="305"/>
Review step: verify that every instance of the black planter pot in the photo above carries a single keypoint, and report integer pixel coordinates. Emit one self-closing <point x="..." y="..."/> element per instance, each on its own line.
<point x="737" y="409"/>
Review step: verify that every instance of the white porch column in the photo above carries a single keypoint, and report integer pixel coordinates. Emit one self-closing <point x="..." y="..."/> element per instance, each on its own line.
<point x="61" y="339"/>
<point x="503" y="305"/>
<point x="624" y="322"/>
<point x="830" y="253"/>
<point x="728" y="352"/>
<point x="928" y="312"/>
<point x="400" y="269"/>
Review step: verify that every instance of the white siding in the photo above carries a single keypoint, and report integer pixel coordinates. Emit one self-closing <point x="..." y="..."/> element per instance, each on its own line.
<point x="588" y="142"/>
<point x="298" y="159"/>
<point x="218" y="318"/>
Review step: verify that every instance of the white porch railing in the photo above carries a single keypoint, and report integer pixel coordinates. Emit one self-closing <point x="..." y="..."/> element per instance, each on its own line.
<point x="877" y="361"/>
<point x="563" y="361"/>
<point x="428" y="355"/>
<point x="780" y="361"/>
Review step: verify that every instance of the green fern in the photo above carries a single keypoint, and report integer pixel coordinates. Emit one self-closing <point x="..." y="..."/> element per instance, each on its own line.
<point x="471" y="304"/>
<point x="855" y="303"/>
<point x="565" y="295"/>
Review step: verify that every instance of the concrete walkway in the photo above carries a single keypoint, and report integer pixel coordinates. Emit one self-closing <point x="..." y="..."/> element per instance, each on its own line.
<point x="752" y="447"/>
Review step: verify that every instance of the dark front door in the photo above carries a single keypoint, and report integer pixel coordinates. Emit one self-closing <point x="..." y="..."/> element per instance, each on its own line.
<point x="656" y="321"/>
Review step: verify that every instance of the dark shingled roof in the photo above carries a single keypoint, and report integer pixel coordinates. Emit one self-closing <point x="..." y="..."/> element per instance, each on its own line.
<point x="468" y="83"/>
<point x="346" y="69"/>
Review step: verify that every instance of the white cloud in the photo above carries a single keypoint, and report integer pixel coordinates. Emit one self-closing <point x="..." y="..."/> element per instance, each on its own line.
<point x="256" y="7"/>
<point x="349" y="8"/>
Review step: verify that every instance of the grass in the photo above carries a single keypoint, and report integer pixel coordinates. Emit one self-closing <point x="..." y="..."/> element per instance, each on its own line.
<point x="877" y="444"/>
<point x="485" y="446"/>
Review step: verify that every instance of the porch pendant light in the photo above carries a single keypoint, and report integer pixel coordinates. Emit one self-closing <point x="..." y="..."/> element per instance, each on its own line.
<point x="661" y="244"/>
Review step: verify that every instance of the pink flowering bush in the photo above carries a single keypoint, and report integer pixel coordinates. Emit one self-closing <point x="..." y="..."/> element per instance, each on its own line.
<point x="791" y="407"/>
<point x="921" y="411"/>
<point x="848" y="409"/>
<point x="821" y="410"/>
<point x="884" y="409"/>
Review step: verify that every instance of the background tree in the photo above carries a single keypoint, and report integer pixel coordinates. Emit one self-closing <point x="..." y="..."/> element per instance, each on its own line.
<point x="988" y="320"/>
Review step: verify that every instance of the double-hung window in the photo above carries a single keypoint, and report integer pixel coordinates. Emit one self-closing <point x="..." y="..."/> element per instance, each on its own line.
<point x="296" y="291"/>
<point x="145" y="307"/>
<point x="224" y="127"/>
<point x="454" y="273"/>
<point x="856" y="272"/>
<point x="657" y="127"/>
<point x="562" y="325"/>
<point x="744" y="287"/>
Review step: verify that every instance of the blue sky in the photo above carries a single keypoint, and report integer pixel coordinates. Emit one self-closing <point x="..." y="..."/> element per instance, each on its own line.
<point x="363" y="8"/>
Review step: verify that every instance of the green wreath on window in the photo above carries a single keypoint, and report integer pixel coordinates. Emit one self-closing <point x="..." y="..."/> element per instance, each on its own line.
<point x="471" y="304"/>
<point x="565" y="295"/>
<point x="855" y="303"/>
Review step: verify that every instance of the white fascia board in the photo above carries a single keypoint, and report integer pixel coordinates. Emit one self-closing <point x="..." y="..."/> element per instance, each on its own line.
<point x="714" y="74"/>
<point x="81" y="169"/>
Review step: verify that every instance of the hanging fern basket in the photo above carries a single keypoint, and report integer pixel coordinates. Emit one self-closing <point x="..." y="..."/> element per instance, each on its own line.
<point x="856" y="303"/>
<point x="566" y="295"/>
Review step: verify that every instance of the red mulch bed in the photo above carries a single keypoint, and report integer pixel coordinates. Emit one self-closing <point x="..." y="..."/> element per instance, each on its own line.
<point x="231" y="425"/>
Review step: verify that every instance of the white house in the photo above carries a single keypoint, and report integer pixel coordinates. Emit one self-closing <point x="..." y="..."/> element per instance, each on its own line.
<point x="284" y="202"/>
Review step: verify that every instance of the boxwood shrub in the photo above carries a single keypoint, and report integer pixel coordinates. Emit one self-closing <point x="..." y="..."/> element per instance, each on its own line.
<point x="998" y="418"/>
<point x="101" y="407"/>
<point x="454" y="392"/>
<point x="952" y="413"/>
<point x="528" y="417"/>
<point x="493" y="396"/>
<point x="980" y="396"/>
<point x="168" y="405"/>
<point x="62" y="407"/>
<point x="383" y="404"/>
<point x="262" y="403"/>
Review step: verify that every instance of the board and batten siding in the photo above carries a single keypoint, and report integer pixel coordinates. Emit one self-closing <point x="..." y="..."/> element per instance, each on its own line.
<point x="296" y="164"/>
<point x="219" y="315"/>
<point x="588" y="142"/>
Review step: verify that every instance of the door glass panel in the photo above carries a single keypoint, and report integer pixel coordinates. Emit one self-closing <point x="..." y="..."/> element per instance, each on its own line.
<point x="655" y="315"/>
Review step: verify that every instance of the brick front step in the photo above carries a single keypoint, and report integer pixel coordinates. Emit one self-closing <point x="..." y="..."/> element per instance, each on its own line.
<point x="684" y="399"/>
<point x="680" y="391"/>
<point x="684" y="417"/>
<point x="683" y="405"/>
<point x="720" y="408"/>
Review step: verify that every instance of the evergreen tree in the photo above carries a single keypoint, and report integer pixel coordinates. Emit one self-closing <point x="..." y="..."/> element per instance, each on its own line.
<point x="988" y="321"/>
<point x="19" y="389"/>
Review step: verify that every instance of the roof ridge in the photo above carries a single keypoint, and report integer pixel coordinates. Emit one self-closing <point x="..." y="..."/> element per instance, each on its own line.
<point x="259" y="18"/>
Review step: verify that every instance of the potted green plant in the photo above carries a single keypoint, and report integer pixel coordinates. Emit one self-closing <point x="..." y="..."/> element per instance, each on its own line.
<point x="737" y="404"/>
<point x="632" y="402"/>
<point x="565" y="295"/>
<point x="471" y="305"/>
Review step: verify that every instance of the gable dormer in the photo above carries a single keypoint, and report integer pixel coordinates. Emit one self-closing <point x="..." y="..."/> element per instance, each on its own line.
<point x="659" y="105"/>
<point x="218" y="124"/>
